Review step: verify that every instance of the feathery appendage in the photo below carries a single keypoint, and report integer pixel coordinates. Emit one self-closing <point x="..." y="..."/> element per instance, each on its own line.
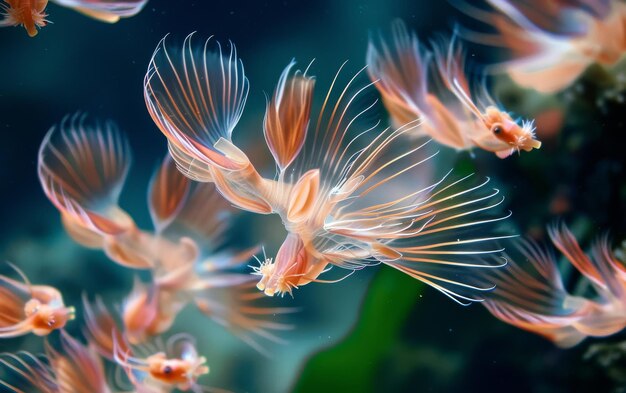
<point x="82" y="168"/>
<point x="105" y="10"/>
<point x="76" y="367"/>
<point x="24" y="372"/>
<point x="532" y="295"/>
<point x="180" y="208"/>
<point x="31" y="15"/>
<point x="196" y="96"/>
<point x="401" y="70"/>
<point x="442" y="233"/>
<point x="167" y="193"/>
<point x="244" y="311"/>
<point x="287" y="116"/>
<point x="552" y="43"/>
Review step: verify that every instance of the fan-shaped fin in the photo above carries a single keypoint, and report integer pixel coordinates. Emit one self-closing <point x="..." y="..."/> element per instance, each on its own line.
<point x="82" y="169"/>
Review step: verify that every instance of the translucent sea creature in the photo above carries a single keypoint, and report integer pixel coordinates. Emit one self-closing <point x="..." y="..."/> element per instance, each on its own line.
<point x="76" y="367"/>
<point x="552" y="42"/>
<point x="416" y="82"/>
<point x="72" y="368"/>
<point x="533" y="296"/>
<point x="334" y="187"/>
<point x="27" y="308"/>
<point x="32" y="13"/>
<point x="158" y="367"/>
<point x="82" y="169"/>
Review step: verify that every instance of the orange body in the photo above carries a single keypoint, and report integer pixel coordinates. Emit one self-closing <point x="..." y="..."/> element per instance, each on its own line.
<point x="174" y="371"/>
<point x="28" y="13"/>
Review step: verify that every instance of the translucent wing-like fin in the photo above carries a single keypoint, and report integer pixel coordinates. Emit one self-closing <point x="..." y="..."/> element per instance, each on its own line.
<point x="287" y="116"/>
<point x="129" y="251"/>
<point x="546" y="52"/>
<point x="450" y="61"/>
<point x="241" y="194"/>
<point x="559" y="330"/>
<point x="80" y="234"/>
<point x="82" y="168"/>
<point x="196" y="96"/>
<point x="204" y="216"/>
<point x="140" y="311"/>
<point x="303" y="196"/>
<point x="444" y="233"/>
<point x="13" y="297"/>
<point x="603" y="270"/>
<point x="547" y="78"/>
<point x="11" y="307"/>
<point x="77" y="368"/>
<point x="400" y="70"/>
<point x="189" y="166"/>
<point x="101" y="330"/>
<point x="532" y="296"/>
<point x="167" y="193"/>
<point x="239" y="307"/>
<point x="24" y="372"/>
<point x="105" y="10"/>
<point x="445" y="127"/>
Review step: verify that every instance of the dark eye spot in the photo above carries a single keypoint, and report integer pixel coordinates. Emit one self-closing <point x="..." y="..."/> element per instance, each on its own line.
<point x="167" y="369"/>
<point x="497" y="130"/>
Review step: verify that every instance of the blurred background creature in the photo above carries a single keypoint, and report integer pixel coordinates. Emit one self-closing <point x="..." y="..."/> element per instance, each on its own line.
<point x="552" y="42"/>
<point x="533" y="296"/>
<point x="83" y="168"/>
<point x="153" y="366"/>
<point x="432" y="84"/>
<point x="27" y="308"/>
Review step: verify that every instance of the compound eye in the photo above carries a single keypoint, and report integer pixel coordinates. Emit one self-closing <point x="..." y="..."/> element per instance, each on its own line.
<point x="497" y="130"/>
<point x="167" y="370"/>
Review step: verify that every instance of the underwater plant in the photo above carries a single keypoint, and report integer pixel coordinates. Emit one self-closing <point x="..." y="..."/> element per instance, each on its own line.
<point x="82" y="168"/>
<point x="32" y="13"/>
<point x="552" y="42"/>
<point x="431" y="84"/>
<point x="334" y="187"/>
<point x="533" y="296"/>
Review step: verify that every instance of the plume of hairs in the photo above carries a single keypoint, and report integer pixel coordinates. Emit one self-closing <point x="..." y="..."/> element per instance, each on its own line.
<point x="532" y="295"/>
